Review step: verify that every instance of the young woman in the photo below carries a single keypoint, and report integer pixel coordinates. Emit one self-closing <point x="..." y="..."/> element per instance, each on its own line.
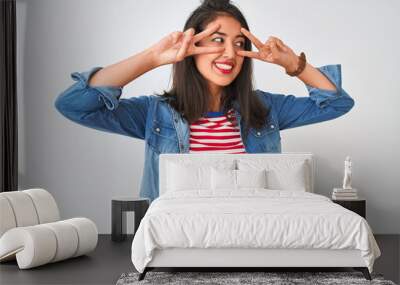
<point x="212" y="105"/>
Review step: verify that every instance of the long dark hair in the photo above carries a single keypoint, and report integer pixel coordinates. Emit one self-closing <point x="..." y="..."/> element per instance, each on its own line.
<point x="189" y="94"/>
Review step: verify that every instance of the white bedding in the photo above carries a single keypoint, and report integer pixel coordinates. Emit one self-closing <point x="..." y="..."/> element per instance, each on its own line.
<point x="250" y="218"/>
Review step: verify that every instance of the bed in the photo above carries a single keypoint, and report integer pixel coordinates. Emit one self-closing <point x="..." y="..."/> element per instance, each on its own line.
<point x="248" y="210"/>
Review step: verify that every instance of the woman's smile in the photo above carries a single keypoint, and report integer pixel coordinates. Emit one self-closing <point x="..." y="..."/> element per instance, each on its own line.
<point x="223" y="68"/>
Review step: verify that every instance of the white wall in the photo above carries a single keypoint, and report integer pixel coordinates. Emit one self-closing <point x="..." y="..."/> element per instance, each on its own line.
<point x="83" y="168"/>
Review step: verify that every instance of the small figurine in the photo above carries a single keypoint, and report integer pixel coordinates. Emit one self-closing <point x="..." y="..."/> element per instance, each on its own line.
<point x="347" y="173"/>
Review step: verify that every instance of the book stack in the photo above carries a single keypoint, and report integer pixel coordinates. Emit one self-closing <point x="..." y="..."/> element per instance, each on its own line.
<point x="344" y="194"/>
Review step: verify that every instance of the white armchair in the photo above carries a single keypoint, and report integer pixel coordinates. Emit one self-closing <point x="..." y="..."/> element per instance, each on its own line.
<point x="32" y="233"/>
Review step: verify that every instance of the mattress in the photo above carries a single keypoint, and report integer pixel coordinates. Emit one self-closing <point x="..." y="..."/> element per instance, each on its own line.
<point x="250" y="218"/>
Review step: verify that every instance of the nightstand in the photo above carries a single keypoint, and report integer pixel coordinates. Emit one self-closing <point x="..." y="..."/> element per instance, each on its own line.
<point x="119" y="207"/>
<point x="358" y="206"/>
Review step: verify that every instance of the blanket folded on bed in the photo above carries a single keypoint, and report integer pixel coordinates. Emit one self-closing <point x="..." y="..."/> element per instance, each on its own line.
<point x="250" y="218"/>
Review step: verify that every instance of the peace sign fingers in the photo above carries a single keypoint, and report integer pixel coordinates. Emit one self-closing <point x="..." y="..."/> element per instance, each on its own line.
<point x="264" y="49"/>
<point x="187" y="36"/>
<point x="278" y="42"/>
<point x="206" y="32"/>
<point x="273" y="51"/>
<point x="252" y="38"/>
<point x="252" y="54"/>
<point x="196" y="38"/>
<point x="188" y="47"/>
<point x="202" y="50"/>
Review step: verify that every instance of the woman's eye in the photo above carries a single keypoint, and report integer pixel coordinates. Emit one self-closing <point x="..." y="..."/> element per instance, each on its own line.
<point x="216" y="39"/>
<point x="239" y="44"/>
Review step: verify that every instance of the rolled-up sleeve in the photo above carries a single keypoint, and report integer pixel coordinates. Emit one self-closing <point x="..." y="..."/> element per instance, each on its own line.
<point x="101" y="108"/>
<point x="320" y="105"/>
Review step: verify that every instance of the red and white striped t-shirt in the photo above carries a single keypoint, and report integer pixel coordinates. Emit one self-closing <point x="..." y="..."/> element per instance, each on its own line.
<point x="214" y="133"/>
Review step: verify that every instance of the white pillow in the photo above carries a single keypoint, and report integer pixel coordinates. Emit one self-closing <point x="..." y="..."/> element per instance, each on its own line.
<point x="251" y="178"/>
<point x="282" y="174"/>
<point x="181" y="178"/>
<point x="288" y="178"/>
<point x="230" y="179"/>
<point x="186" y="174"/>
<point x="223" y="179"/>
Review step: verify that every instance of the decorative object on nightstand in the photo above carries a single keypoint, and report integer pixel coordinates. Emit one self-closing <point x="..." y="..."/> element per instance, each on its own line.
<point x="119" y="207"/>
<point x="358" y="205"/>
<point x="346" y="192"/>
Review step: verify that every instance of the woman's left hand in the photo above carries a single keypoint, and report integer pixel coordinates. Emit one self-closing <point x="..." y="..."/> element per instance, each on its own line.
<point x="273" y="51"/>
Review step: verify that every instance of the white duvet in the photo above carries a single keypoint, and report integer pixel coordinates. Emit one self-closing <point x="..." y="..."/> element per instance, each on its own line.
<point x="251" y="218"/>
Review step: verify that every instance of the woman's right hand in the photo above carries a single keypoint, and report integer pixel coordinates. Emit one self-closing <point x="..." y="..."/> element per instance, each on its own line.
<point x="178" y="45"/>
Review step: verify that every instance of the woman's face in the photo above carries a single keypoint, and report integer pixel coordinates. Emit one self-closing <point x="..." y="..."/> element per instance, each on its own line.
<point x="230" y="37"/>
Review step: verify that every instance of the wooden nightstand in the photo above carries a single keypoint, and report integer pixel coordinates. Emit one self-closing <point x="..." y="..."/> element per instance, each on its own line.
<point x="357" y="206"/>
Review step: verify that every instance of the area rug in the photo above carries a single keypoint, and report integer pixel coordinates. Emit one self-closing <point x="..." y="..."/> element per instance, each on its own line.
<point x="244" y="278"/>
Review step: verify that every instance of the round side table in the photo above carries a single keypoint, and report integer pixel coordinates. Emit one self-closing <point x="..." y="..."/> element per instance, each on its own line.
<point x="119" y="207"/>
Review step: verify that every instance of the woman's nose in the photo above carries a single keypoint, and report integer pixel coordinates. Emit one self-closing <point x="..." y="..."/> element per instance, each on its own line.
<point x="229" y="51"/>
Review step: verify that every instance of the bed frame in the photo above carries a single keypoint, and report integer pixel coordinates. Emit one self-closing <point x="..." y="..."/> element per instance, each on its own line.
<point x="248" y="259"/>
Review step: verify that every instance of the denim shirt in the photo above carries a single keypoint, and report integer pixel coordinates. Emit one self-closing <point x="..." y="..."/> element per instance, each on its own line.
<point x="151" y="118"/>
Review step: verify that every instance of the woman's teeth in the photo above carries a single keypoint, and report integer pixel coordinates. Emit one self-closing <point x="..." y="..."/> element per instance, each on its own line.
<point x="224" y="66"/>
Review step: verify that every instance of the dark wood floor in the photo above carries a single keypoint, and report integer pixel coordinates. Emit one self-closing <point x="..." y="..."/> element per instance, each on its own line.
<point x="110" y="259"/>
